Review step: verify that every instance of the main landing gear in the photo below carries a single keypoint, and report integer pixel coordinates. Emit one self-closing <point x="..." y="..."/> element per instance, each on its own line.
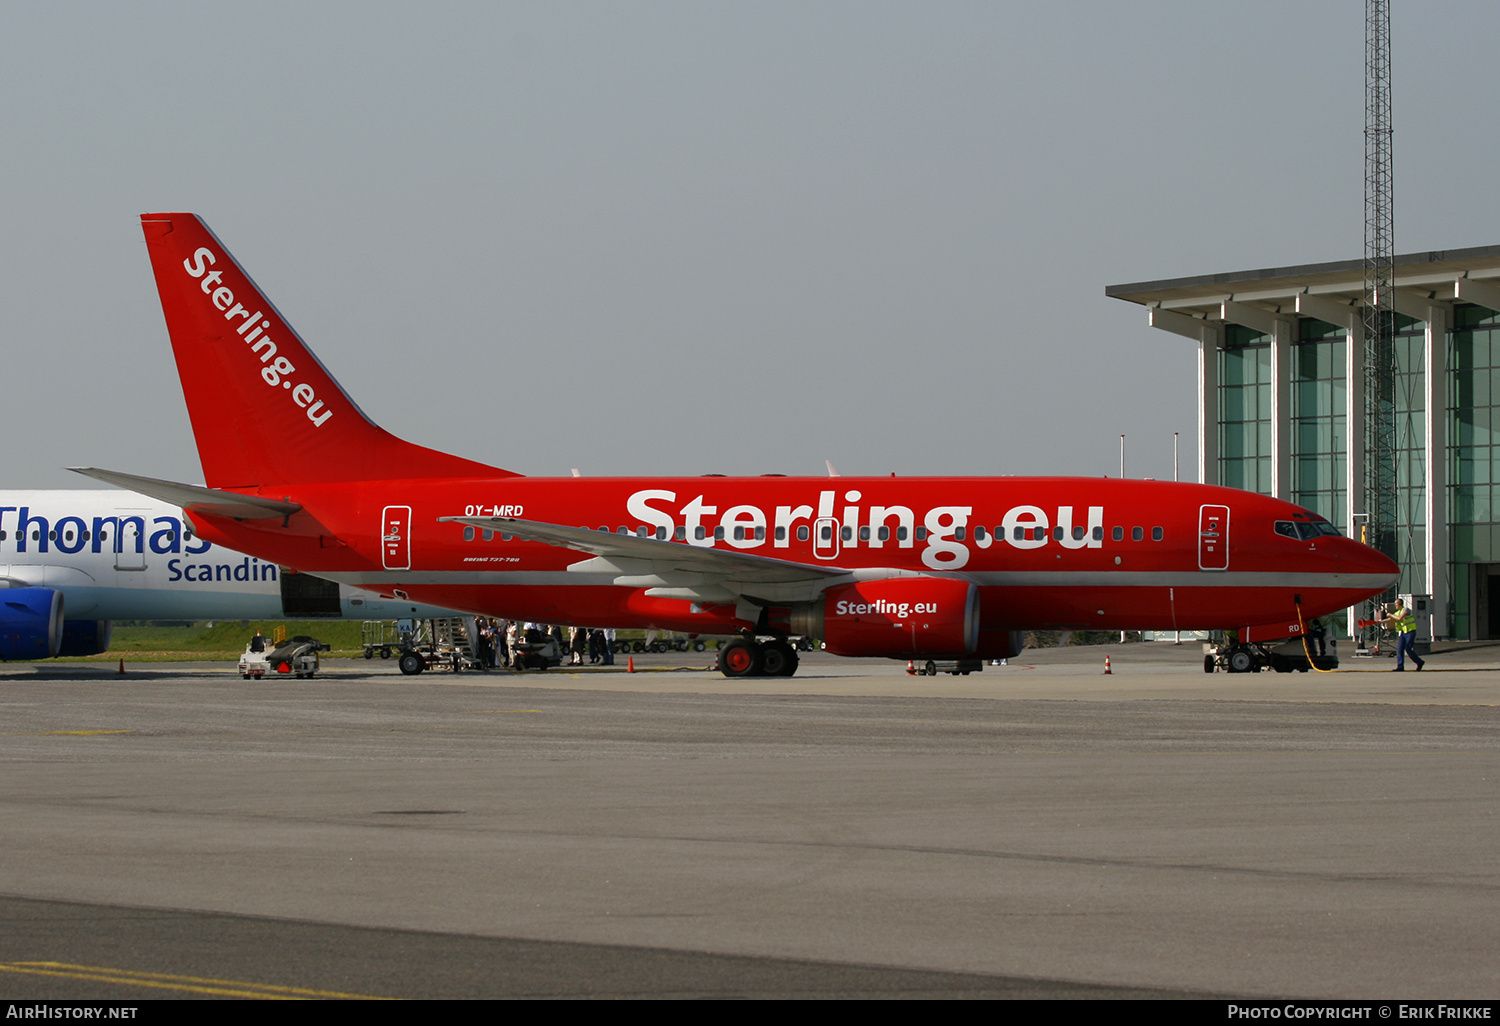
<point x="746" y="657"/>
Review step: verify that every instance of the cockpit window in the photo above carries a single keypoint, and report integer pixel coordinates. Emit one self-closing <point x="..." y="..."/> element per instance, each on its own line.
<point x="1306" y="532"/>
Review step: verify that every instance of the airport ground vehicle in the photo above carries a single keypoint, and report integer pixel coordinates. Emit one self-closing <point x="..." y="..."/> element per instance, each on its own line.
<point x="297" y="656"/>
<point x="954" y="667"/>
<point x="382" y="637"/>
<point x="906" y="568"/>
<point x="1234" y="656"/>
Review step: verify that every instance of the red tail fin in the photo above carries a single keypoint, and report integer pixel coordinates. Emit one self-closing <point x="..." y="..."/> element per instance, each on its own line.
<point x="264" y="410"/>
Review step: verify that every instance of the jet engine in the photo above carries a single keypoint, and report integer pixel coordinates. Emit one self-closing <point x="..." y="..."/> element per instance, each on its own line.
<point x="901" y="617"/>
<point x="85" y="637"/>
<point x="31" y="623"/>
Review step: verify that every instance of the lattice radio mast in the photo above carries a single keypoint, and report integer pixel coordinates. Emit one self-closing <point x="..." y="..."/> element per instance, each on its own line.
<point x="1380" y="274"/>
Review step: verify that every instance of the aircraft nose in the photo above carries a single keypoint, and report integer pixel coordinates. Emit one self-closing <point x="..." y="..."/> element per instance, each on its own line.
<point x="1363" y="559"/>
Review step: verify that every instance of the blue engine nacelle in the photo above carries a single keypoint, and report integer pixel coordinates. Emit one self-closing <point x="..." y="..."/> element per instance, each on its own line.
<point x="85" y="637"/>
<point x="31" y="623"/>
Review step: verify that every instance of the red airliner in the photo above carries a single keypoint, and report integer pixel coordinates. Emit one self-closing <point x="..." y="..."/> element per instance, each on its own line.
<point x="904" y="567"/>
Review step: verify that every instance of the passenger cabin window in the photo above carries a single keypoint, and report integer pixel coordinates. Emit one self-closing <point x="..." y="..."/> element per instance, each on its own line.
<point x="1098" y="534"/>
<point x="884" y="534"/>
<point x="468" y="534"/>
<point x="979" y="532"/>
<point x="802" y="533"/>
<point x="901" y="534"/>
<point x="1156" y="534"/>
<point x="1137" y="534"/>
<point x="682" y="532"/>
<point x="781" y="534"/>
<point x="1119" y="534"/>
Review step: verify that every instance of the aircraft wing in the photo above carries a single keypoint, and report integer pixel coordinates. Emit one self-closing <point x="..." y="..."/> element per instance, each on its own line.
<point x="196" y="498"/>
<point x="673" y="561"/>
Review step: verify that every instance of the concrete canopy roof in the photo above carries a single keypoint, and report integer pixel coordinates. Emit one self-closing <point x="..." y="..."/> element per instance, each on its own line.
<point x="1331" y="292"/>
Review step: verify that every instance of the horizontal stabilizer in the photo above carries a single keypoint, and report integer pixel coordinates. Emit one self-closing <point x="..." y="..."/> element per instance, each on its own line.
<point x="663" y="556"/>
<point x="195" y="497"/>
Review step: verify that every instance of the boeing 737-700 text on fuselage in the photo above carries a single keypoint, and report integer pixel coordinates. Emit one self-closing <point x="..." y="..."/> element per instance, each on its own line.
<point x="913" y="567"/>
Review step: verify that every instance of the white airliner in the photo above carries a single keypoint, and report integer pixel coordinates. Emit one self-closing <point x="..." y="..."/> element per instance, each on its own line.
<point x="73" y="561"/>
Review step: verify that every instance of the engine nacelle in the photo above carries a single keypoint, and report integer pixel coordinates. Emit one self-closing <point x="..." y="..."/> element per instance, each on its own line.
<point x="902" y="617"/>
<point x="31" y="623"/>
<point x="85" y="637"/>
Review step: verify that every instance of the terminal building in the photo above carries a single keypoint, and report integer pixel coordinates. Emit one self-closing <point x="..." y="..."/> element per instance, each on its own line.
<point x="1281" y="406"/>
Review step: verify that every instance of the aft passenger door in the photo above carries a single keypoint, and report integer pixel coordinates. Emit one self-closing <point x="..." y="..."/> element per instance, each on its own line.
<point x="395" y="538"/>
<point x="1213" y="538"/>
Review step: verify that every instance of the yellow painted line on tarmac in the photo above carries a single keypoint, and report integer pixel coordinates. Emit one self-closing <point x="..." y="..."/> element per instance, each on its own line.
<point x="477" y="711"/>
<point x="186" y="984"/>
<point x="65" y="733"/>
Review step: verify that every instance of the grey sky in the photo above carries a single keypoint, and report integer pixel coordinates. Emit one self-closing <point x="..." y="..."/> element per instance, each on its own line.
<point x="654" y="238"/>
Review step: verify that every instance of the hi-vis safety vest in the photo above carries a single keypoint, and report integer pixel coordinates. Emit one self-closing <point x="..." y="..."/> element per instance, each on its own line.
<point x="1407" y="623"/>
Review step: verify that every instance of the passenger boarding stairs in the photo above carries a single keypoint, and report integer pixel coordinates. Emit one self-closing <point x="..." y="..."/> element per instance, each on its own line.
<point x="456" y="635"/>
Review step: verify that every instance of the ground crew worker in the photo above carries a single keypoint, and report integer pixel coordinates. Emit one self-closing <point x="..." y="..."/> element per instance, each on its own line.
<point x="1404" y="622"/>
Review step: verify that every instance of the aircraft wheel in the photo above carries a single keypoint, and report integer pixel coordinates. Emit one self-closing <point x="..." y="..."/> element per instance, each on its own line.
<point x="1241" y="661"/>
<point x="778" y="659"/>
<point x="740" y="658"/>
<point x="930" y="669"/>
<point x="1209" y="664"/>
<point x="411" y="663"/>
<point x="700" y="646"/>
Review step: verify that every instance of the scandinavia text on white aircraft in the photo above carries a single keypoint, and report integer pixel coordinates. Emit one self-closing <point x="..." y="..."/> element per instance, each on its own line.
<point x="73" y="561"/>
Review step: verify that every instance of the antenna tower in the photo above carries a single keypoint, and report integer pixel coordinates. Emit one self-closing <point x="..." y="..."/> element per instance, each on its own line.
<point x="1380" y="274"/>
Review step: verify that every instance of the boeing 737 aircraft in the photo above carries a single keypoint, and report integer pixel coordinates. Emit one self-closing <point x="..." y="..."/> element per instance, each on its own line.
<point x="71" y="562"/>
<point x="929" y="568"/>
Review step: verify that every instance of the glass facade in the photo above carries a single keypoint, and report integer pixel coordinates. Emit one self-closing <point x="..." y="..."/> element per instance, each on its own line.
<point x="1320" y="443"/>
<point x="1473" y="468"/>
<point x="1245" y="410"/>
<point x="1411" y="454"/>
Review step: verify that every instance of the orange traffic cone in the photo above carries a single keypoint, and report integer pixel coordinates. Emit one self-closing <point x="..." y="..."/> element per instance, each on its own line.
<point x="1106" y="665"/>
<point x="630" y="665"/>
<point x="911" y="668"/>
